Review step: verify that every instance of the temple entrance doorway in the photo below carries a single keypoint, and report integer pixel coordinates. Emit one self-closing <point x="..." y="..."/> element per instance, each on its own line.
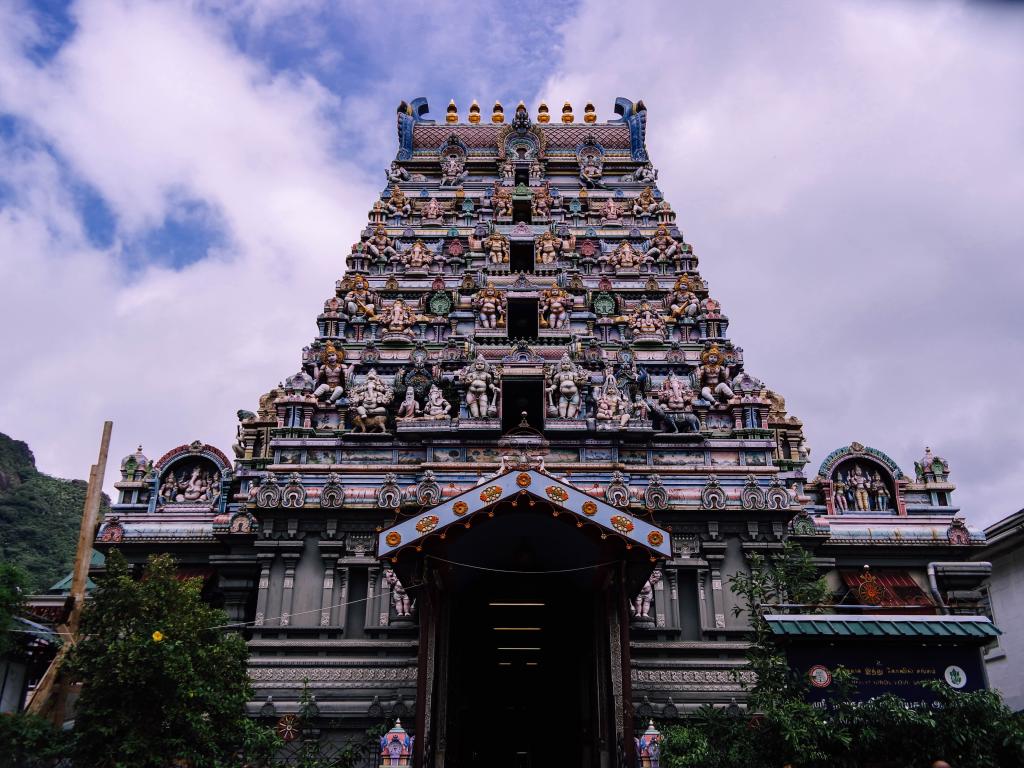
<point x="519" y="396"/>
<point x="523" y="319"/>
<point x="526" y="669"/>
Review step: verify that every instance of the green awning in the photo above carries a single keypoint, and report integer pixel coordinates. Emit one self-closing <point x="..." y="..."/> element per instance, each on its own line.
<point x="888" y="626"/>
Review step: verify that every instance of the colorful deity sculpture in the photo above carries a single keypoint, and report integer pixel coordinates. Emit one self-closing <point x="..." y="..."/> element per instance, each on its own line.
<point x="399" y="318"/>
<point x="399" y="597"/>
<point x="408" y="408"/>
<point x="508" y="170"/>
<point x="860" y="486"/>
<point x="555" y="305"/>
<point x="644" y="321"/>
<point x="396" y="173"/>
<point x="329" y="375"/>
<point x="645" y="204"/>
<point x="359" y="300"/>
<point x="501" y="200"/>
<point x="713" y="376"/>
<point x="547" y="247"/>
<point x="645" y="174"/>
<point x="495" y="245"/>
<point x="417" y="256"/>
<point x="663" y="245"/>
<point x="591" y="169"/>
<point x="676" y="393"/>
<point x="542" y="202"/>
<point x="436" y="407"/>
<point x="379" y="245"/>
<point x="682" y="301"/>
<point x="611" y="211"/>
<point x="880" y="493"/>
<point x="483" y="388"/>
<point x="490" y="304"/>
<point x="645" y="599"/>
<point x="398" y="204"/>
<point x="433" y="210"/>
<point x="564" y="381"/>
<point x="453" y="170"/>
<point x="612" y="405"/>
<point x="367" y="403"/>
<point x="624" y="257"/>
<point x="839" y="488"/>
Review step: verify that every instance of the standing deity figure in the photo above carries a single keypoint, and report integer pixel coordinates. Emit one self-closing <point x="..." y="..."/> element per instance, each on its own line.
<point x="663" y="245"/>
<point x="399" y="318"/>
<point x="432" y="211"/>
<point x="508" y="170"/>
<point x="436" y="407"/>
<point x="547" y="247"/>
<point x="490" y="304"/>
<point x="682" y="301"/>
<point x="408" y="408"/>
<point x="497" y="248"/>
<point x="642" y="604"/>
<point x="624" y="257"/>
<point x="483" y="386"/>
<point x="399" y="597"/>
<point x="380" y="245"/>
<point x="645" y="204"/>
<point x="417" y="256"/>
<point x="542" y="201"/>
<point x="712" y="375"/>
<point x="839" y="488"/>
<point x="860" y="484"/>
<point x="611" y="211"/>
<point x="169" y="488"/>
<point x="368" y="400"/>
<point x="554" y="307"/>
<point x="396" y="173"/>
<point x="359" y="301"/>
<point x="644" y="321"/>
<point x="565" y="379"/>
<point x="612" y="406"/>
<point x="329" y="375"/>
<point x="398" y="204"/>
<point x="501" y="200"/>
<point x="881" y="493"/>
<point x="453" y="170"/>
<point x="536" y="171"/>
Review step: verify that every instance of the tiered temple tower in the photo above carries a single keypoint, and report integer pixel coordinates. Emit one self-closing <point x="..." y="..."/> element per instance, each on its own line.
<point x="518" y="462"/>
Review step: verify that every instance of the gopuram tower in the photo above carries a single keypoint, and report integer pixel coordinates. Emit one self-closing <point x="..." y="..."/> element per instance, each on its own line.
<point x="501" y="495"/>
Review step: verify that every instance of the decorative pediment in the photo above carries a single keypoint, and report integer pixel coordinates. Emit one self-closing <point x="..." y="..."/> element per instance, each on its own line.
<point x="534" y="484"/>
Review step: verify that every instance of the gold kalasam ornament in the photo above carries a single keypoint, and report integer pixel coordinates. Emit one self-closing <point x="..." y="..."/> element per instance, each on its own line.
<point x="474" y="112"/>
<point x="498" y="115"/>
<point x="589" y="114"/>
<point x="543" y="115"/>
<point x="453" y="112"/>
<point x="567" y="116"/>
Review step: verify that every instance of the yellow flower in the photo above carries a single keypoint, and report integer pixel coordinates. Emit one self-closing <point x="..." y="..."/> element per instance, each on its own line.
<point x="158" y="636"/>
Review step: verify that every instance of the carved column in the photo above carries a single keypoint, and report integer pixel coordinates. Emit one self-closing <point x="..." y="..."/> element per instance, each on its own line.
<point x="373" y="577"/>
<point x="717" y="599"/>
<point x="288" y="592"/>
<point x="327" y="597"/>
<point x="266" y="559"/>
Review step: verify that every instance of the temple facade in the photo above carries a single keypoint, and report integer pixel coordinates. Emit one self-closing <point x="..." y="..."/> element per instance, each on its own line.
<point x="502" y="494"/>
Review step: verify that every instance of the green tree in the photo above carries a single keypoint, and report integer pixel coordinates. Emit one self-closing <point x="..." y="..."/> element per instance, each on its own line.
<point x="161" y="680"/>
<point x="12" y="595"/>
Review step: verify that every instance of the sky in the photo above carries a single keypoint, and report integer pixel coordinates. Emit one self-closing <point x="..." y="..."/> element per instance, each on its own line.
<point x="180" y="182"/>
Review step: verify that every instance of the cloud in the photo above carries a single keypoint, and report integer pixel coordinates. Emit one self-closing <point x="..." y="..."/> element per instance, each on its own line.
<point x="852" y="177"/>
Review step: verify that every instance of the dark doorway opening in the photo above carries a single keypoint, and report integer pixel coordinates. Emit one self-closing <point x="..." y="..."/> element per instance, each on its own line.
<point x="521" y="211"/>
<point x="520" y="396"/>
<point x="523" y="177"/>
<point x="523" y="321"/>
<point x="521" y="256"/>
<point x="526" y="657"/>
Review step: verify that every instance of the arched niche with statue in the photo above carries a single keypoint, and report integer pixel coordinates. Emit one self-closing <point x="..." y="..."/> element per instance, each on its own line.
<point x="190" y="478"/>
<point x="860" y="480"/>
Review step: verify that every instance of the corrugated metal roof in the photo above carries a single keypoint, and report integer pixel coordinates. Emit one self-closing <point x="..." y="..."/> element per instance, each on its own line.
<point x="909" y="626"/>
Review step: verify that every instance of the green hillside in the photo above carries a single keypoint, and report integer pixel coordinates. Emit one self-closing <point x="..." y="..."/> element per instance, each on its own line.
<point x="39" y="516"/>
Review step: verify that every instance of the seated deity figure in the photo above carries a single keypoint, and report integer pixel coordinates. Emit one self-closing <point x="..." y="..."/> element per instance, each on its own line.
<point x="436" y="407"/>
<point x="612" y="406"/>
<point x="645" y="204"/>
<point x="554" y="307"/>
<point x="399" y="597"/>
<point x="542" y="201"/>
<point x="360" y="301"/>
<point x="645" y="174"/>
<point x="417" y="257"/>
<point x="839" y="488"/>
<point x="645" y="321"/>
<point x="591" y="171"/>
<point x="433" y="210"/>
<point x="611" y="211"/>
<point x="663" y="246"/>
<point x="490" y="304"/>
<point x="536" y="171"/>
<point x="675" y="393"/>
<point x="508" y="170"/>
<point x="483" y="387"/>
<point x="380" y="245"/>
<point x="367" y="403"/>
<point x="547" y="247"/>
<point x="501" y="200"/>
<point x="398" y="204"/>
<point x="408" y="408"/>
<point x="712" y="376"/>
<point x="329" y="376"/>
<point x="860" y="484"/>
<point x="497" y="248"/>
<point x="195" y="488"/>
<point x="396" y="173"/>
<point x="565" y="380"/>
<point x="682" y="301"/>
<point x="399" y="318"/>
<point x="880" y="492"/>
<point x="453" y="171"/>
<point x="625" y="257"/>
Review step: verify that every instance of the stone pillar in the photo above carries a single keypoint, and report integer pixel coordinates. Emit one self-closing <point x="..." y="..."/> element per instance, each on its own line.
<point x="288" y="592"/>
<point x="266" y="559"/>
<point x="327" y="597"/>
<point x="373" y="578"/>
<point x="717" y="600"/>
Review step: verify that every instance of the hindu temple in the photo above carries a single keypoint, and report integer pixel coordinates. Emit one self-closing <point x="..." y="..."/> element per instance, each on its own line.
<point x="502" y="492"/>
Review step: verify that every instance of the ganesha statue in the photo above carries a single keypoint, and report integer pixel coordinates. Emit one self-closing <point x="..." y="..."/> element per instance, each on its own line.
<point x="399" y="318"/>
<point x="625" y="257"/>
<point x="645" y="322"/>
<point x="417" y="257"/>
<point x="368" y="401"/>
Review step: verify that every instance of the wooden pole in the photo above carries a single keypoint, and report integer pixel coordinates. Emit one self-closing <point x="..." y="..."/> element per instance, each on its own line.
<point x="50" y="696"/>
